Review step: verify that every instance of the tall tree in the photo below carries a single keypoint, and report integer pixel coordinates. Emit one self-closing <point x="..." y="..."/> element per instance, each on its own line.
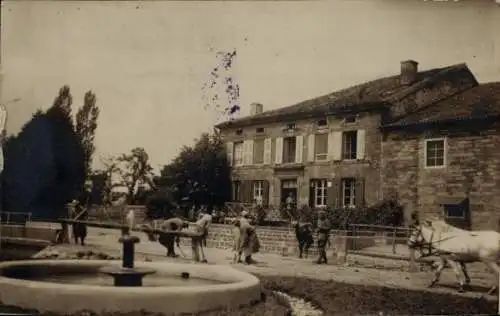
<point x="64" y="100"/>
<point x="135" y="172"/>
<point x="86" y="125"/>
<point x="44" y="164"/>
<point x="200" y="173"/>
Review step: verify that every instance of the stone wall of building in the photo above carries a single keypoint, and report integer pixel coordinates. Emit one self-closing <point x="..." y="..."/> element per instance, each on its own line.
<point x="367" y="168"/>
<point x="472" y="170"/>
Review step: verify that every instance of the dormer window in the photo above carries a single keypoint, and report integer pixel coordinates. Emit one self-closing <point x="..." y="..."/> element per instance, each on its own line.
<point x="239" y="132"/>
<point x="322" y="123"/>
<point x="259" y="130"/>
<point x="350" y="119"/>
<point x="290" y="126"/>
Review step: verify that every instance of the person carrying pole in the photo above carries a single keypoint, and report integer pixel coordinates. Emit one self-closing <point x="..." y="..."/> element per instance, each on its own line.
<point x="79" y="229"/>
<point x="169" y="240"/>
<point x="200" y="227"/>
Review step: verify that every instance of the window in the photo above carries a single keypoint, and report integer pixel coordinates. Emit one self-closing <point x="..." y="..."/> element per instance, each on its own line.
<point x="350" y="119"/>
<point x="322" y="123"/>
<point x="289" y="184"/>
<point x="289" y="145"/>
<point x="320" y="192"/>
<point x="434" y="153"/>
<point x="236" y="191"/>
<point x="259" y="130"/>
<point x="238" y="154"/>
<point x="321" y="146"/>
<point x="290" y="126"/>
<point x="258" y="192"/>
<point x="349" y="145"/>
<point x="348" y="193"/>
<point x="258" y="151"/>
<point x="454" y="210"/>
<point x="239" y="132"/>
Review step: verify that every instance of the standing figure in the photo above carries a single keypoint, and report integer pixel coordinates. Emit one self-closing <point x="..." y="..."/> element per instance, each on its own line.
<point x="249" y="241"/>
<point x="79" y="229"/>
<point x="201" y="227"/>
<point x="239" y="222"/>
<point x="289" y="202"/>
<point x="323" y="230"/>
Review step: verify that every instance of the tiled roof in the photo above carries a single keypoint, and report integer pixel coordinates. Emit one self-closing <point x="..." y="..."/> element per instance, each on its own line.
<point x="366" y="95"/>
<point x="478" y="102"/>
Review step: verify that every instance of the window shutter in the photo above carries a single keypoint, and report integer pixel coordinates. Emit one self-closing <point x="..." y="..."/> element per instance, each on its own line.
<point x="279" y="150"/>
<point x="230" y="149"/>
<point x="265" y="193"/>
<point x="333" y="194"/>
<point x="311" y="193"/>
<point x="310" y="147"/>
<point x="248" y="152"/>
<point x="335" y="146"/>
<point x="267" y="151"/>
<point x="360" y="192"/>
<point x="299" y="148"/>
<point x="360" y="146"/>
<point x="247" y="191"/>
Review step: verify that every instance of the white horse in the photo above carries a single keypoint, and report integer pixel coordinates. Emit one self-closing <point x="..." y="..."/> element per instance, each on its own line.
<point x="456" y="247"/>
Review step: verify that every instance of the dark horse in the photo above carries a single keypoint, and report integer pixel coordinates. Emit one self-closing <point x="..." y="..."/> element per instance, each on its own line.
<point x="304" y="234"/>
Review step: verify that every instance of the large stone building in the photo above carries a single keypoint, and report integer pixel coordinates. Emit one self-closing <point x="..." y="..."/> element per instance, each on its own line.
<point x="429" y="138"/>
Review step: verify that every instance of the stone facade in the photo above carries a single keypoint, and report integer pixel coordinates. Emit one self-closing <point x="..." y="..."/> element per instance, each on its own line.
<point x="396" y="117"/>
<point x="471" y="171"/>
<point x="365" y="168"/>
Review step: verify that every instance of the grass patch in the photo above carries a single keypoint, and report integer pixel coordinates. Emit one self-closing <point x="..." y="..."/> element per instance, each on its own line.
<point x="336" y="298"/>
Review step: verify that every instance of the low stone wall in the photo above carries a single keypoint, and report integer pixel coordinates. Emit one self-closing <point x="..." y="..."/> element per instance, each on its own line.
<point x="282" y="241"/>
<point x="272" y="239"/>
<point x="28" y="232"/>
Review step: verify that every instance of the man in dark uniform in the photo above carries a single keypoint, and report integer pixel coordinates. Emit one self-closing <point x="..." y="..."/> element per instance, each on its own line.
<point x="168" y="240"/>
<point x="79" y="229"/>
<point x="323" y="230"/>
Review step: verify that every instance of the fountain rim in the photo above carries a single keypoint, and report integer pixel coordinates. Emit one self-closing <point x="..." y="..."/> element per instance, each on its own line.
<point x="243" y="279"/>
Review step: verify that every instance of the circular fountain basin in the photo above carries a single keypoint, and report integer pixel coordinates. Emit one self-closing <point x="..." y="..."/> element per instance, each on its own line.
<point x="68" y="286"/>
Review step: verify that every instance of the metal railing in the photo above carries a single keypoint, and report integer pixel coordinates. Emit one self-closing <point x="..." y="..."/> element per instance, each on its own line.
<point x="7" y="218"/>
<point x="391" y="236"/>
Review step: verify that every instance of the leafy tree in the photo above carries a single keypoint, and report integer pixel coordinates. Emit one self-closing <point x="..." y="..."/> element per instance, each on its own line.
<point x="135" y="172"/>
<point x="86" y="125"/>
<point x="200" y="173"/>
<point x="44" y="165"/>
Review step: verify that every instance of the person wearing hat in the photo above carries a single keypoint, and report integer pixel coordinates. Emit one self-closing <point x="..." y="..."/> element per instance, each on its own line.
<point x="323" y="230"/>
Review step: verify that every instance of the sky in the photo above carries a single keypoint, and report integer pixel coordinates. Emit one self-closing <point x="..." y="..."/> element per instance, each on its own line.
<point x="147" y="61"/>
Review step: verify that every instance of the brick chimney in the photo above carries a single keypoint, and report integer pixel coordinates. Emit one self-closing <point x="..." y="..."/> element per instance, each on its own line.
<point x="409" y="70"/>
<point x="256" y="108"/>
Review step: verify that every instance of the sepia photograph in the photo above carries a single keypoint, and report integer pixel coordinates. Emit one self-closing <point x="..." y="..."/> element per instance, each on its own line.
<point x="250" y="158"/>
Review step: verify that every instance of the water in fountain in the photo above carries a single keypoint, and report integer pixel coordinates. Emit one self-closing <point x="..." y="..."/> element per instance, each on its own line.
<point x="104" y="280"/>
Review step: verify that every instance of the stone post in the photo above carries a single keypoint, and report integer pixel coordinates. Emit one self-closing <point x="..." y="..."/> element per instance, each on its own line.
<point x="128" y="242"/>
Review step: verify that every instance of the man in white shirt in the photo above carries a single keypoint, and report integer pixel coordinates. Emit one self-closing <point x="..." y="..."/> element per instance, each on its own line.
<point x="201" y="226"/>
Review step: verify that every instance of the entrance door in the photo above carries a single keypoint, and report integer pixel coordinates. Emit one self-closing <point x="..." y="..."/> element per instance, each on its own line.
<point x="289" y="188"/>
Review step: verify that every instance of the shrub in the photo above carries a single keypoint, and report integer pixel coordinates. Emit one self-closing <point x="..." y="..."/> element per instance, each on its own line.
<point x="386" y="213"/>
